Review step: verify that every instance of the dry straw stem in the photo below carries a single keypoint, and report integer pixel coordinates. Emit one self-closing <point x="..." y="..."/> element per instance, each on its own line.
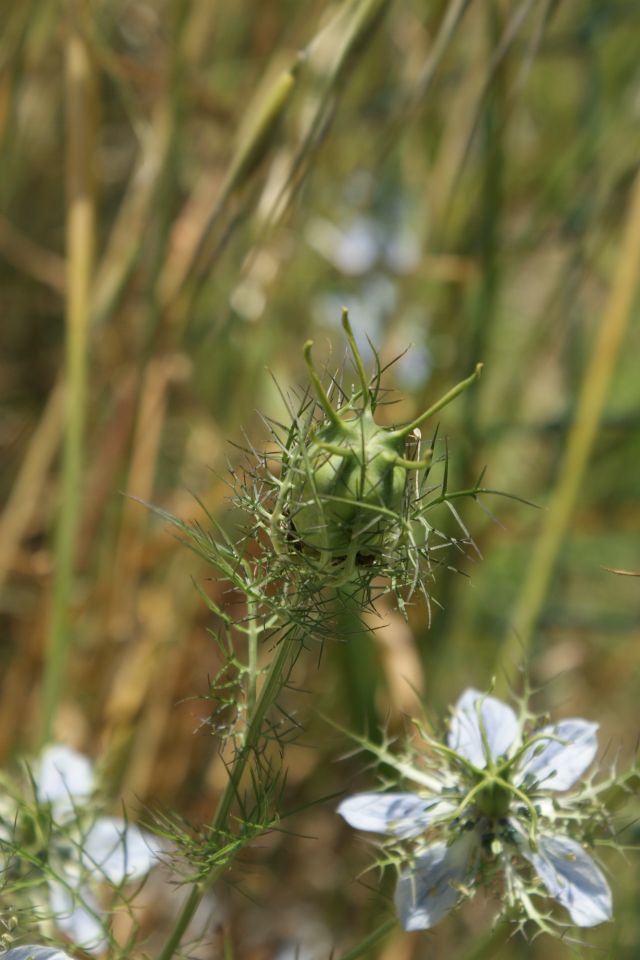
<point x="28" y="486"/>
<point x="80" y="235"/>
<point x="124" y="245"/>
<point x="579" y="441"/>
<point x="34" y="260"/>
<point x="327" y="60"/>
<point x="252" y="145"/>
<point x="128" y="563"/>
<point x="348" y="31"/>
<point x="144" y="691"/>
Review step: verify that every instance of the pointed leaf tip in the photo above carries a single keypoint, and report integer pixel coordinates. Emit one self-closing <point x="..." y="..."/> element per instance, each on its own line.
<point x="353" y="346"/>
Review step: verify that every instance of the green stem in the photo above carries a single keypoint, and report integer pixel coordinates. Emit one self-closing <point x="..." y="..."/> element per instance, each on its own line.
<point x="252" y="666"/>
<point x="187" y="913"/>
<point x="375" y="937"/>
<point x="274" y="679"/>
<point x="252" y="654"/>
<point x="80" y="225"/>
<point x="485" y="948"/>
<point x="272" y="685"/>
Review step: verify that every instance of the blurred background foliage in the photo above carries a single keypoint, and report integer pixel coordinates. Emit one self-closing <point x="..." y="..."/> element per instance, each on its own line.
<point x="188" y="190"/>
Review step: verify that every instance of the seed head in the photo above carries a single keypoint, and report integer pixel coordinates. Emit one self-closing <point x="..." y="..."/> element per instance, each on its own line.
<point x="349" y="488"/>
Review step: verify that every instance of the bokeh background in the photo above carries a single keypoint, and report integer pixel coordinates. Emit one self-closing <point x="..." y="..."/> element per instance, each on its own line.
<point x="189" y="190"/>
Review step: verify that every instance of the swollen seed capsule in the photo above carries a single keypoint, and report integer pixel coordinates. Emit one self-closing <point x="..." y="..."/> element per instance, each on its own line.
<point x="352" y="496"/>
<point x="345" y="491"/>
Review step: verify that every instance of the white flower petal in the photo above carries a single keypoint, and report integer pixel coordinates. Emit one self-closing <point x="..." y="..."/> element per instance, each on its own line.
<point x="78" y="918"/>
<point x="499" y="723"/>
<point x="399" y="814"/>
<point x="33" y="952"/>
<point x="556" y="764"/>
<point x="427" y="892"/>
<point x="63" y="777"/>
<point x="118" y="850"/>
<point x="573" y="879"/>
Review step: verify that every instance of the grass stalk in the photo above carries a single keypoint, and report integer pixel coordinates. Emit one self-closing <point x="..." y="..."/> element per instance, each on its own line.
<point x="79" y="242"/>
<point x="579" y="442"/>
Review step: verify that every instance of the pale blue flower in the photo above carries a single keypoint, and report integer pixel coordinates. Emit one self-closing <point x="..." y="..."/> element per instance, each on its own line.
<point x="35" y="952"/>
<point x="85" y="851"/>
<point x="490" y="808"/>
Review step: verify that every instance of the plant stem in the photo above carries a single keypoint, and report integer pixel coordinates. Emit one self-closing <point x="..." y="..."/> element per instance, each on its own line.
<point x="252" y="656"/>
<point x="484" y="949"/>
<point x="187" y="913"/>
<point x="274" y="679"/>
<point x="80" y="229"/>
<point x="375" y="937"/>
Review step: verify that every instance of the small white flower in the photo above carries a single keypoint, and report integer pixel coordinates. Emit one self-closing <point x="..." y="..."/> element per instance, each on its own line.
<point x="86" y="851"/>
<point x="35" y="952"/>
<point x="63" y="778"/>
<point x="494" y="810"/>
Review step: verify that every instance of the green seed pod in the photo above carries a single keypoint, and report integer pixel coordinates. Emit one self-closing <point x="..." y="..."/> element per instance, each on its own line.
<point x="345" y="493"/>
<point x="352" y="497"/>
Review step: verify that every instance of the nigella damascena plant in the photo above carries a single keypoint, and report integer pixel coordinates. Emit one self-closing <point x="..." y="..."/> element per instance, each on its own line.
<point x="506" y="804"/>
<point x="63" y="858"/>
<point x="349" y="497"/>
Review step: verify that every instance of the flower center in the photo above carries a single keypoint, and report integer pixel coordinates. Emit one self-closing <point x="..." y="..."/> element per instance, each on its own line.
<point x="493" y="798"/>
